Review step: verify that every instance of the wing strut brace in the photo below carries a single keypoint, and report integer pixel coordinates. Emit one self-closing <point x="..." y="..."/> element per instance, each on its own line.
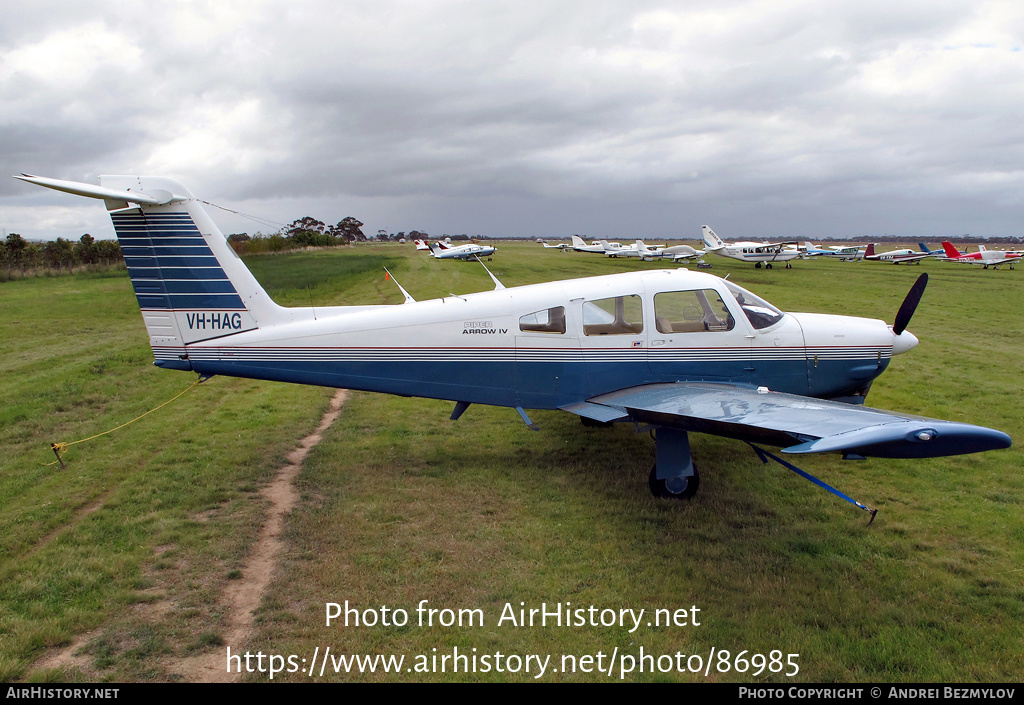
<point x="765" y="456"/>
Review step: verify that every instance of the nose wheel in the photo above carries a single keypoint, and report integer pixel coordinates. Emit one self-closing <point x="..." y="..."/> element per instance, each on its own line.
<point x="674" y="487"/>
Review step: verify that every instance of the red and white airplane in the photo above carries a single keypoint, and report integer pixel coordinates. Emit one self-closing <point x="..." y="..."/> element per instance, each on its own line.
<point x="983" y="257"/>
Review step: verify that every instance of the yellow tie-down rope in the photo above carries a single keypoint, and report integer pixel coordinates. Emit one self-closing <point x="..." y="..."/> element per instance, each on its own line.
<point x="60" y="448"/>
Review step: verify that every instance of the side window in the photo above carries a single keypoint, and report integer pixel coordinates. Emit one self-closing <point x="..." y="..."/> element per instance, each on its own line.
<point x="691" y="312"/>
<point x="549" y="320"/>
<point x="619" y="315"/>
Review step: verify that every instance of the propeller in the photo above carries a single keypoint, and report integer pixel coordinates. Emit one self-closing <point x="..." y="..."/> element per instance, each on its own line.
<point x="909" y="305"/>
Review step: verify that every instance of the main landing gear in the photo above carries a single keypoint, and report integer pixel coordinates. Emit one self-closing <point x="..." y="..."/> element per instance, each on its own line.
<point x="674" y="475"/>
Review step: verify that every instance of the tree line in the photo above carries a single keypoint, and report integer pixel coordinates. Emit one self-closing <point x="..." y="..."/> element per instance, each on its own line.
<point x="303" y="232"/>
<point x="24" y="256"/>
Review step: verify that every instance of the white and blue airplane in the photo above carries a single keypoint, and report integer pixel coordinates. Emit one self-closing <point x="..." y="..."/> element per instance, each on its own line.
<point x="442" y="250"/>
<point x="671" y="350"/>
<point x="756" y="252"/>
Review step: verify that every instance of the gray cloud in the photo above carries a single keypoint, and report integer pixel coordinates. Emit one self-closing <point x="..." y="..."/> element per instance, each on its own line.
<point x="499" y="118"/>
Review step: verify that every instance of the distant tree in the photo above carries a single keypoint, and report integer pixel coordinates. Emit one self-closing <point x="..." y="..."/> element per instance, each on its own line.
<point x="16" y="254"/>
<point x="85" y="250"/>
<point x="349" y="230"/>
<point x="108" y="252"/>
<point x="307" y="224"/>
<point x="59" y="253"/>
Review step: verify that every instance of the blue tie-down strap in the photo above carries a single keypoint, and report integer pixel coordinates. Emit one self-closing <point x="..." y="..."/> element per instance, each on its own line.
<point x="765" y="456"/>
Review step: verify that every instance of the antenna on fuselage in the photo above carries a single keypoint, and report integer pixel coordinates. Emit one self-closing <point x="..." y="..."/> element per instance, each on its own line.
<point x="408" y="299"/>
<point x="497" y="284"/>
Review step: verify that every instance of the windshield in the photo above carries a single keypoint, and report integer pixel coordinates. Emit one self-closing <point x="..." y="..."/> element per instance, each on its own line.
<point x="759" y="312"/>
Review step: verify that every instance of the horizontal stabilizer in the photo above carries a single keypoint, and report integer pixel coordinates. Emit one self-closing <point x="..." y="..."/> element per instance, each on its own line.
<point x="153" y="197"/>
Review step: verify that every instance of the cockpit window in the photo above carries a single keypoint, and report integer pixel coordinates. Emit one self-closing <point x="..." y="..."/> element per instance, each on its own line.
<point x="549" y="320"/>
<point x="619" y="315"/>
<point x="759" y="312"/>
<point x="691" y="312"/>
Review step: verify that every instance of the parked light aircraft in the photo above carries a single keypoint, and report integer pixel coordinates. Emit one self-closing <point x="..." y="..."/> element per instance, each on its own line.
<point x="562" y="246"/>
<point x="756" y="252"/>
<point x="904" y="256"/>
<point x="983" y="257"/>
<point x="598" y="246"/>
<point x="935" y="254"/>
<point x="442" y="250"/>
<point x="679" y="351"/>
<point x="845" y="254"/>
<point x="676" y="253"/>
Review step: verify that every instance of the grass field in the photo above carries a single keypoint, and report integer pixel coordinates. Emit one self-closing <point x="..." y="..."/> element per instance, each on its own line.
<point x="133" y="543"/>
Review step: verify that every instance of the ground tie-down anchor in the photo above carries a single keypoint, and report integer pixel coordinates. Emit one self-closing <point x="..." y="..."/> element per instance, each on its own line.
<point x="765" y="456"/>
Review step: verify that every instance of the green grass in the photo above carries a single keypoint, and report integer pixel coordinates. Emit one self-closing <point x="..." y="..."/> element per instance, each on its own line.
<point x="399" y="505"/>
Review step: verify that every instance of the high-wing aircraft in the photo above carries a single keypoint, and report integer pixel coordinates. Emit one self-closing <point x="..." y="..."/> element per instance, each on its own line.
<point x="851" y="253"/>
<point x="671" y="350"/>
<point x="442" y="250"/>
<point x="904" y="256"/>
<point x="984" y="258"/>
<point x="561" y="246"/>
<point x="676" y="253"/>
<point x="756" y="252"/>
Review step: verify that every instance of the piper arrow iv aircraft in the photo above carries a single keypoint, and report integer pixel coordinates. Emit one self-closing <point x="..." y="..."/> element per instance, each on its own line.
<point x="756" y="252"/>
<point x="670" y="350"/>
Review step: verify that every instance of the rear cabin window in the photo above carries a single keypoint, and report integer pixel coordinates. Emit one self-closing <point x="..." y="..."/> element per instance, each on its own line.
<point x="549" y="320"/>
<point x="619" y="315"/>
<point x="695" y="311"/>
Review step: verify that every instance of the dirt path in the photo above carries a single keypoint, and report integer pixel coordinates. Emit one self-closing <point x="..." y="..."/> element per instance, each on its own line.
<point x="242" y="596"/>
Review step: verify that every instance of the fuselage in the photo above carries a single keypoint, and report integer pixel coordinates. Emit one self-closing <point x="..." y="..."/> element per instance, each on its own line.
<point x="756" y="252"/>
<point x="544" y="346"/>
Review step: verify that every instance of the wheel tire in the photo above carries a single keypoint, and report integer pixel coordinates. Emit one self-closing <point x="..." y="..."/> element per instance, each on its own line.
<point x="658" y="488"/>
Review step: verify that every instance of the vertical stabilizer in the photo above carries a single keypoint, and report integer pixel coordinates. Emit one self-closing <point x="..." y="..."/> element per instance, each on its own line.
<point x="712" y="241"/>
<point x="189" y="282"/>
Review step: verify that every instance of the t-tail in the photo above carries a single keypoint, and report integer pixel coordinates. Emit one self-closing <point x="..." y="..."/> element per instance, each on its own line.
<point x="712" y="241"/>
<point x="189" y="282"/>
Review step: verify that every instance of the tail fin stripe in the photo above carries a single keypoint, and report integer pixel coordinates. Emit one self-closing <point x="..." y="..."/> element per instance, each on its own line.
<point x="177" y="274"/>
<point x="170" y="264"/>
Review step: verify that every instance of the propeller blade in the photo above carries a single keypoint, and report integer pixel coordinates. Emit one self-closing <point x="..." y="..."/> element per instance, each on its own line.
<point x="909" y="305"/>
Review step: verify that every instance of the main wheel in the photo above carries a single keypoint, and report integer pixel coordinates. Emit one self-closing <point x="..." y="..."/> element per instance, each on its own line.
<point x="660" y="488"/>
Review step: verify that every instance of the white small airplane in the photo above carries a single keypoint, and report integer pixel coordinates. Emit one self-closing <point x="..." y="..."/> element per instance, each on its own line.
<point x="676" y="253"/>
<point x="562" y="246"/>
<point x="673" y="351"/>
<point x="983" y="258"/>
<point x="597" y="246"/>
<point x="843" y="253"/>
<point x="902" y="256"/>
<point x="756" y="252"/>
<point x="442" y="250"/>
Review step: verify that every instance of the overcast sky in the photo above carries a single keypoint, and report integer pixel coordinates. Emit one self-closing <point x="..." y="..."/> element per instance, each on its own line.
<point x="621" y="118"/>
